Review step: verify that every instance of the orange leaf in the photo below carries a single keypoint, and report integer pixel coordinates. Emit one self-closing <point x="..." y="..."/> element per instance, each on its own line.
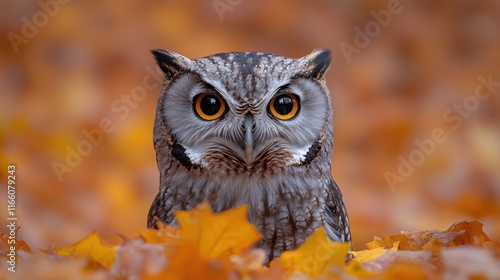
<point x="462" y="233"/>
<point x="91" y="247"/>
<point x="187" y="262"/>
<point x="371" y="254"/>
<point x="164" y="234"/>
<point x="217" y="235"/>
<point x="314" y="255"/>
<point x="388" y="242"/>
<point x="7" y="243"/>
<point x="471" y="232"/>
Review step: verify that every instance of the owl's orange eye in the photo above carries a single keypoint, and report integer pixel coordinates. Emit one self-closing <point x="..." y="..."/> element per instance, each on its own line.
<point x="284" y="106"/>
<point x="209" y="106"/>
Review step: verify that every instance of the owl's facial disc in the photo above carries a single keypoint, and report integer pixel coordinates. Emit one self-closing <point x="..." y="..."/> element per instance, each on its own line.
<point x="243" y="112"/>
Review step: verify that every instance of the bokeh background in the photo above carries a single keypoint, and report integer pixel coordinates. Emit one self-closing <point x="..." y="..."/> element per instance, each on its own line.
<point x="87" y="54"/>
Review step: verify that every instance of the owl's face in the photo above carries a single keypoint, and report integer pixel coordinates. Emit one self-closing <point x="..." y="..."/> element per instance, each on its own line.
<point x="245" y="112"/>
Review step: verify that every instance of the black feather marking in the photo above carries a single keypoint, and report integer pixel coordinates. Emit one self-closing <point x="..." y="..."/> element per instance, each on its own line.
<point x="317" y="63"/>
<point x="170" y="64"/>
<point x="311" y="153"/>
<point x="179" y="152"/>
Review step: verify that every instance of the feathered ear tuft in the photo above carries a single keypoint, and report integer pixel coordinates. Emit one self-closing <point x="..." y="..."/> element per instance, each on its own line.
<point x="171" y="63"/>
<point x="315" y="64"/>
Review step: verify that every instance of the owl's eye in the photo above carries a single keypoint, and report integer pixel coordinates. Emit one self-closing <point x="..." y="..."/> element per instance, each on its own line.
<point x="284" y="106"/>
<point x="209" y="106"/>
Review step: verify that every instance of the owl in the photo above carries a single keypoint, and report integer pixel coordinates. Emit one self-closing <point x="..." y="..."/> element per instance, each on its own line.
<point x="249" y="128"/>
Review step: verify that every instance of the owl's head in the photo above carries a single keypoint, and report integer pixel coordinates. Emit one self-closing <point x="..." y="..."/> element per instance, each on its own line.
<point x="243" y="113"/>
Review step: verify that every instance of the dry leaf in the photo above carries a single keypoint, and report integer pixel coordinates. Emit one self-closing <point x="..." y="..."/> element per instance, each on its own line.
<point x="164" y="234"/>
<point x="314" y="255"/>
<point x="471" y="232"/>
<point x="187" y="262"/>
<point x="20" y="244"/>
<point x="217" y="235"/>
<point x="91" y="247"/>
<point x="391" y="258"/>
<point x="462" y="233"/>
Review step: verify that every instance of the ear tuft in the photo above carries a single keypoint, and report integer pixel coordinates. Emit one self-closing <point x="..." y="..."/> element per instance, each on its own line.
<point x="171" y="63"/>
<point x="316" y="64"/>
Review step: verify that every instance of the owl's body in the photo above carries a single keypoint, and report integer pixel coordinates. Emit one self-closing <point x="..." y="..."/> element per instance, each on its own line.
<point x="254" y="129"/>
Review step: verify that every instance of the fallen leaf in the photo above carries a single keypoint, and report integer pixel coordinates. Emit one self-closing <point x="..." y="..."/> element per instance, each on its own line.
<point x="187" y="262"/>
<point x="217" y="235"/>
<point x="20" y="244"/>
<point x="462" y="233"/>
<point x="164" y="234"/>
<point x="471" y="232"/>
<point x="91" y="247"/>
<point x="371" y="254"/>
<point x="391" y="258"/>
<point x="314" y="255"/>
<point x="388" y="242"/>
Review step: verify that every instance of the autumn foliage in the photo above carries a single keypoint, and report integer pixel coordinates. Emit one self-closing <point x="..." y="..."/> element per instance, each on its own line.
<point x="90" y="56"/>
<point x="219" y="246"/>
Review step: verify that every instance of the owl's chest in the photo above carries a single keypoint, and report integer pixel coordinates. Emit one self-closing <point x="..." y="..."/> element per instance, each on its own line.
<point x="285" y="211"/>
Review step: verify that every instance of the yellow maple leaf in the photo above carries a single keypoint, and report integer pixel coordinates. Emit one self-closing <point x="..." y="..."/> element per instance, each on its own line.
<point x="355" y="266"/>
<point x="314" y="255"/>
<point x="217" y="235"/>
<point x="371" y="254"/>
<point x="164" y="234"/>
<point x="368" y="255"/>
<point x="91" y="247"/>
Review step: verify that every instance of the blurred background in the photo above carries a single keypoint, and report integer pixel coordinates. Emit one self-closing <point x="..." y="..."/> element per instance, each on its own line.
<point x="64" y="66"/>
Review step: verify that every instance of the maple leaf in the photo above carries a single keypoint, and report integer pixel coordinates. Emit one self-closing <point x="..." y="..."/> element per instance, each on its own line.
<point x="217" y="235"/>
<point x="164" y="234"/>
<point x="315" y="255"/>
<point x="91" y="247"/>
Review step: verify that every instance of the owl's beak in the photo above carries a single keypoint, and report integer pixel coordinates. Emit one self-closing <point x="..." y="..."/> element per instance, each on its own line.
<point x="248" y="126"/>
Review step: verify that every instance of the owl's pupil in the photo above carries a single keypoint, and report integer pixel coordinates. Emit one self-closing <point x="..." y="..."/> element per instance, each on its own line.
<point x="210" y="105"/>
<point x="283" y="105"/>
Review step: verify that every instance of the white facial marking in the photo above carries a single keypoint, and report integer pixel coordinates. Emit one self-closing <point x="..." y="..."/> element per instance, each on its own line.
<point x="299" y="155"/>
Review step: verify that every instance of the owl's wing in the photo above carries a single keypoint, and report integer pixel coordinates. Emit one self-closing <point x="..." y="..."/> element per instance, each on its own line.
<point x="159" y="212"/>
<point x="336" y="219"/>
